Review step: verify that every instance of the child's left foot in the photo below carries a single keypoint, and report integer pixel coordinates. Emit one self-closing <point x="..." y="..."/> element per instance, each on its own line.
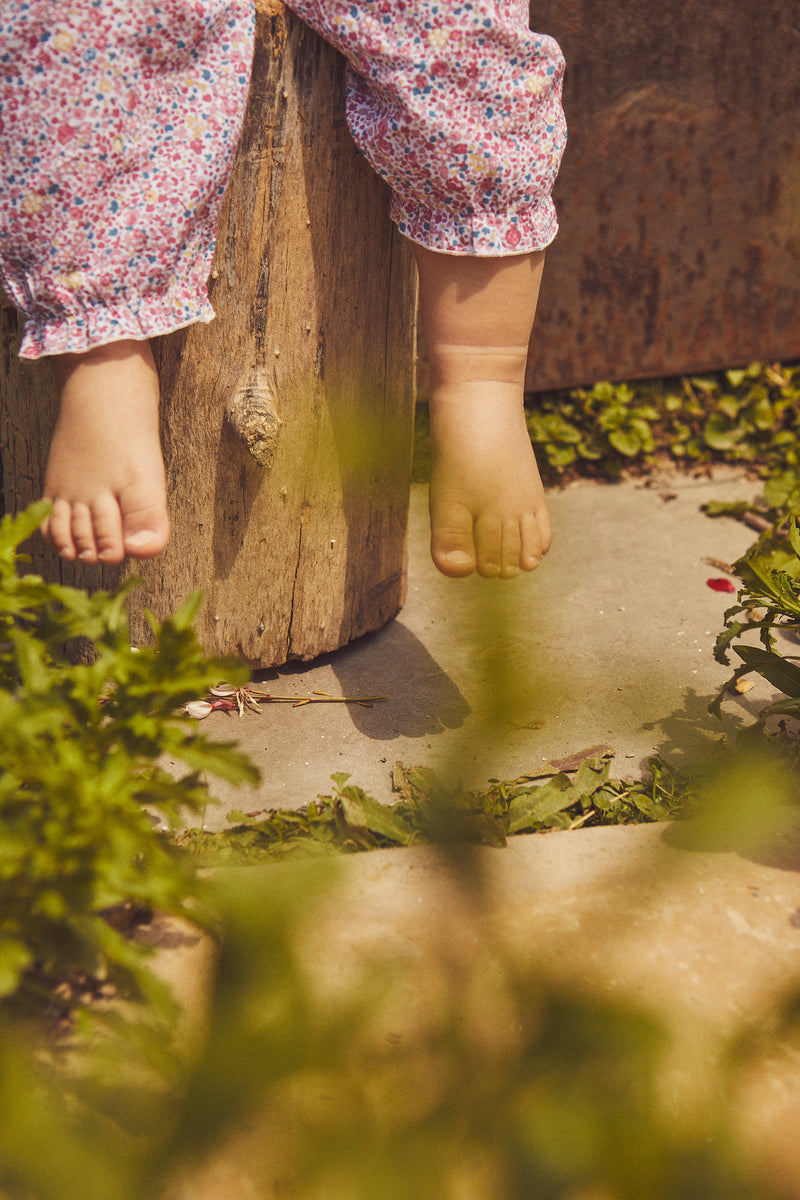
<point x="487" y="503"/>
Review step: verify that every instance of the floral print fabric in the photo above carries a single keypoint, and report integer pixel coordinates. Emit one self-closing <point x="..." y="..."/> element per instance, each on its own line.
<point x="119" y="120"/>
<point x="118" y="123"/>
<point x="458" y="107"/>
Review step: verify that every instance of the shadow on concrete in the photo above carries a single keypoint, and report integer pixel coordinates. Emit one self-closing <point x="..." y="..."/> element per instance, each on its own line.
<point x="422" y="699"/>
<point x="776" y="845"/>
<point x="691" y="731"/>
<point x="761" y="824"/>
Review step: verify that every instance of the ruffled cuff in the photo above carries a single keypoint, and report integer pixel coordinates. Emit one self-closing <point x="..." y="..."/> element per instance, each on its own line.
<point x="477" y="231"/>
<point x="97" y="322"/>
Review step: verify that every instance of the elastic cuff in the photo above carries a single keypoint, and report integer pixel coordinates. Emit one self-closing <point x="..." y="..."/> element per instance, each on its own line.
<point x="99" y="322"/>
<point x="477" y="231"/>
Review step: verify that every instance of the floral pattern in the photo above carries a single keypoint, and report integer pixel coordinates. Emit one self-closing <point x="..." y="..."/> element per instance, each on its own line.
<point x="119" y="120"/>
<point x="458" y="106"/>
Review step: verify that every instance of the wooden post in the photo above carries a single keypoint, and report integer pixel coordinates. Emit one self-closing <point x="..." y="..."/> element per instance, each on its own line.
<point x="287" y="422"/>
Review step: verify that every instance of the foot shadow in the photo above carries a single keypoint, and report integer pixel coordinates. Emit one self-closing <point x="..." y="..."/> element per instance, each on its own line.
<point x="422" y="699"/>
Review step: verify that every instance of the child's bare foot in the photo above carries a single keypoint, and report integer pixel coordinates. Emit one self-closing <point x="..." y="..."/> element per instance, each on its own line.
<point x="105" y="473"/>
<point x="487" y="503"/>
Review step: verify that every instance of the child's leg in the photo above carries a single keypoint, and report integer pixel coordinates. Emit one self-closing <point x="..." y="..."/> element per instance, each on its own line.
<point x="458" y="107"/>
<point x="487" y="504"/>
<point x="118" y="123"/>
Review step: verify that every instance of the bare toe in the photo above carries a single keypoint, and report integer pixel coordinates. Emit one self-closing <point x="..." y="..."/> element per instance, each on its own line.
<point x="452" y="540"/>
<point x="57" y="529"/>
<point x="107" y="529"/>
<point x="83" y="533"/>
<point x="512" y="541"/>
<point x="145" y="525"/>
<point x="489" y="546"/>
<point x="536" y="537"/>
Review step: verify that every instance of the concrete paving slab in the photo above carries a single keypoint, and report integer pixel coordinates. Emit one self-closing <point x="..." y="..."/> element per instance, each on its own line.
<point x="610" y="641"/>
<point x="708" y="941"/>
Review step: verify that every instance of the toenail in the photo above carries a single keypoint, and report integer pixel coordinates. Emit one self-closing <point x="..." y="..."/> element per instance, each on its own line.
<point x="142" y="538"/>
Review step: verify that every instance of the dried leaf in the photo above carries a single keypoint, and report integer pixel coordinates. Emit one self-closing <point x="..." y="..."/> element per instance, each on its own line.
<point x="571" y="763"/>
<point x="246" y="699"/>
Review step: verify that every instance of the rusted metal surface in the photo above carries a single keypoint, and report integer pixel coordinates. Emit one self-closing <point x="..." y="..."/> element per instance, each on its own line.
<point x="679" y="197"/>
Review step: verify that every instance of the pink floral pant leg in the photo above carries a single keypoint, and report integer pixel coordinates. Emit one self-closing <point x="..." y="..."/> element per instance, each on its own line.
<point x="118" y="124"/>
<point x="458" y="106"/>
<point x="119" y="119"/>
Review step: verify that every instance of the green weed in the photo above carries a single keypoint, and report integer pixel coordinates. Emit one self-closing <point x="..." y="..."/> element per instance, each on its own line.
<point x="749" y="415"/>
<point x="429" y="811"/>
<point x="82" y="748"/>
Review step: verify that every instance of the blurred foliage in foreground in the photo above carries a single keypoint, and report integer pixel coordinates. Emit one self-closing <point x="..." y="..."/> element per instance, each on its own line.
<point x="467" y="1074"/>
<point x="501" y="1081"/>
<point x="82" y="767"/>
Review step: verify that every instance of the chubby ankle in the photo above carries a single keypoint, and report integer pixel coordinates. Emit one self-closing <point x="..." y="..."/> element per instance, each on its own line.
<point x="453" y="365"/>
<point x="127" y="351"/>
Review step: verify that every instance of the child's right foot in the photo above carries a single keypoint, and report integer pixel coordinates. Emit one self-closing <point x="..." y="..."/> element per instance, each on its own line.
<point x="488" y="511"/>
<point x="487" y="503"/>
<point x="105" y="473"/>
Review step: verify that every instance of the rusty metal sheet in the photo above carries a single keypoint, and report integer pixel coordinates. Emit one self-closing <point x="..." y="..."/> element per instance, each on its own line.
<point x="679" y="197"/>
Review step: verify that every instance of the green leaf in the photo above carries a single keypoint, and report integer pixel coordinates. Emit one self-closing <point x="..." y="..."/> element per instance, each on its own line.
<point x="534" y="806"/>
<point x="720" y="432"/>
<point x="762" y="415"/>
<point x="219" y="758"/>
<point x="778" y="488"/>
<point x="794" y="538"/>
<point x="720" y="508"/>
<point x="15" y="957"/>
<point x="776" y="669"/>
<point x="14" y="529"/>
<point x="361" y="811"/>
<point x="184" y="617"/>
<point x="626" y="441"/>
<point x="761" y="580"/>
<point x="729" y="406"/>
<point x="560" y="456"/>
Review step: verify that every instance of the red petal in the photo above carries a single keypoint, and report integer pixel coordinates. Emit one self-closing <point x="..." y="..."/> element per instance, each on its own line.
<point x="721" y="585"/>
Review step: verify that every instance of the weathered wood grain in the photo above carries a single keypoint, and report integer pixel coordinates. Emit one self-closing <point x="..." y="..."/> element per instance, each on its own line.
<point x="287" y="422"/>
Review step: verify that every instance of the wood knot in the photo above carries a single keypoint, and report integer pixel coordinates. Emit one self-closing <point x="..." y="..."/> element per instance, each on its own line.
<point x="252" y="415"/>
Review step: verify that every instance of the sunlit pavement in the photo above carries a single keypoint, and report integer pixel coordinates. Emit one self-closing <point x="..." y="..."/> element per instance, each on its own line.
<point x="610" y="642"/>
